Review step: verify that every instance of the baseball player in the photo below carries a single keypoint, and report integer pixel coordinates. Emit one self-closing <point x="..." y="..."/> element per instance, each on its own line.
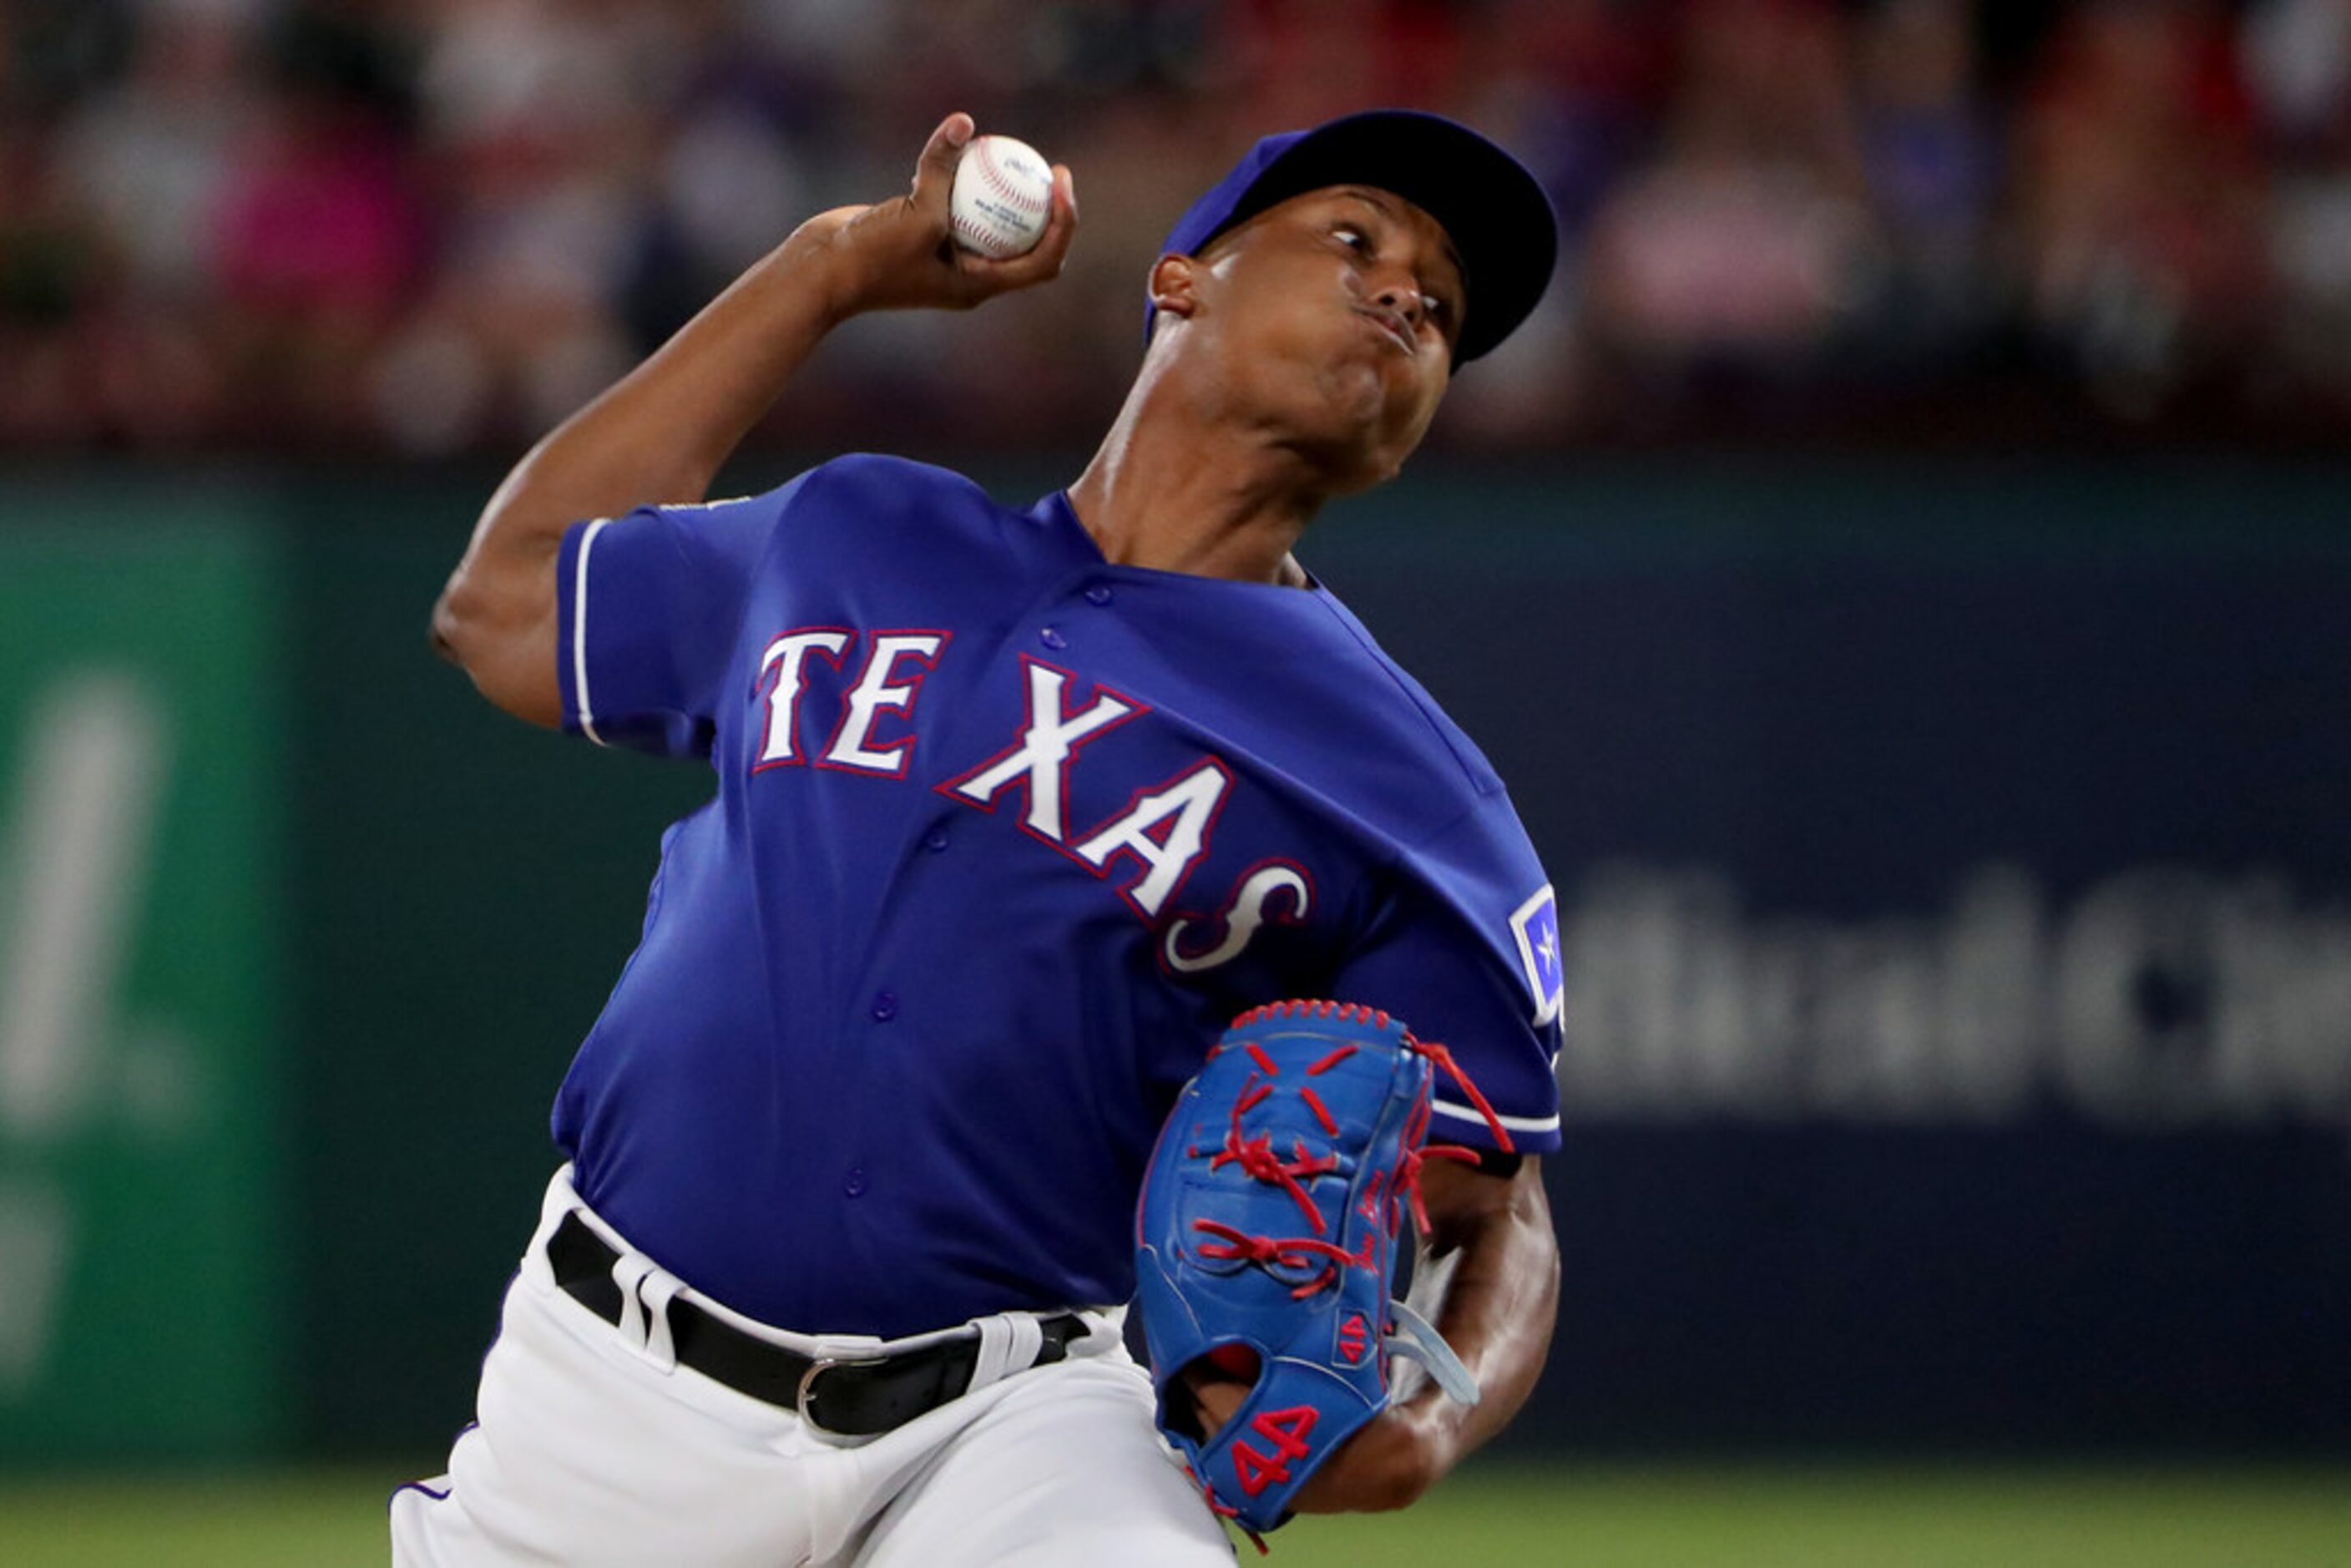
<point x="1016" y="808"/>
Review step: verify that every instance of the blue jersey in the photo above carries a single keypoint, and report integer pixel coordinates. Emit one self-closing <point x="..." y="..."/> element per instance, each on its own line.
<point x="1004" y="836"/>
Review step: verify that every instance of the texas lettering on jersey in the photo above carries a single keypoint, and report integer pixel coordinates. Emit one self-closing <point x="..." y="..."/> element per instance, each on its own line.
<point x="1224" y="782"/>
<point x="1157" y="839"/>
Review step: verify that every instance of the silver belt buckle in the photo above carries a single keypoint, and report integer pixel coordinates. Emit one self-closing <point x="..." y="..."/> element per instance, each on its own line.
<point x="802" y="1398"/>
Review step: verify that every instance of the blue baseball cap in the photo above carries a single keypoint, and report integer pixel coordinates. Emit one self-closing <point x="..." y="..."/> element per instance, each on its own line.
<point x="1492" y="209"/>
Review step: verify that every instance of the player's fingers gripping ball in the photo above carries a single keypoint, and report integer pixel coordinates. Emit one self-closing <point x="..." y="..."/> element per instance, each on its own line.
<point x="1266" y="1231"/>
<point x="1002" y="196"/>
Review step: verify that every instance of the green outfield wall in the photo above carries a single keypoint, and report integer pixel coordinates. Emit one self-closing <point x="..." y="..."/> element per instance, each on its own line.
<point x="145" y="1291"/>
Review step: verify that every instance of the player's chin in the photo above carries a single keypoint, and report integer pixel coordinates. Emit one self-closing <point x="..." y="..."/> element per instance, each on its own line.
<point x="1402" y="425"/>
<point x="1363" y="423"/>
<point x="1366" y="465"/>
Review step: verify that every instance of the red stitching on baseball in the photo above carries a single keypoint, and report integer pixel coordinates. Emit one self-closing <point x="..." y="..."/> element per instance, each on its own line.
<point x="993" y="173"/>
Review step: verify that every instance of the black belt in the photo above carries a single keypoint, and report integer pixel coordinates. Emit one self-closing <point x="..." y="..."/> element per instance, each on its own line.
<point x="859" y="1398"/>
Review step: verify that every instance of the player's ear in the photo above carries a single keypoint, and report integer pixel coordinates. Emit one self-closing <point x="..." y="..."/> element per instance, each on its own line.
<point x="1175" y="279"/>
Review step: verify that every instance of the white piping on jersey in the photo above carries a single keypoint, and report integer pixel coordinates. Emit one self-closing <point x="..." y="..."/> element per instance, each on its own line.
<point x="579" y="630"/>
<point x="1515" y="1123"/>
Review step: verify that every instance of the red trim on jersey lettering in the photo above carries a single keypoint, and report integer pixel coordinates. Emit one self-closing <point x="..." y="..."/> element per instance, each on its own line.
<point x="950" y="788"/>
<point x="901" y="748"/>
<point x="1296" y="910"/>
<point x="763" y="693"/>
<point x="1125" y="890"/>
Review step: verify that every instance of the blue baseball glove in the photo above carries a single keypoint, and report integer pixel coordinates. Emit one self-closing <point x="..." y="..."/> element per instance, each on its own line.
<point x="1267" y="1234"/>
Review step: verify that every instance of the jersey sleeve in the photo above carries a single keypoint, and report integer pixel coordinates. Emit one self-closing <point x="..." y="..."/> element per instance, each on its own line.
<point x="648" y="608"/>
<point x="1463" y="945"/>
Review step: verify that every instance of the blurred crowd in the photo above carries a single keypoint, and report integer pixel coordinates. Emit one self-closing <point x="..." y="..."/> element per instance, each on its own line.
<point x="431" y="227"/>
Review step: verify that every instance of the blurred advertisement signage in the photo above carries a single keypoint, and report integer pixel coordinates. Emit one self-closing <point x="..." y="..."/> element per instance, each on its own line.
<point x="2159" y="998"/>
<point x="139" y="1309"/>
<point x="1955" y="910"/>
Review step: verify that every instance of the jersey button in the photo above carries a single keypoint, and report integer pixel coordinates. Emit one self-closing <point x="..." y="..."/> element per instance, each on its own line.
<point x="855" y="1186"/>
<point x="1098" y="596"/>
<point x="1052" y="639"/>
<point x="936" y="839"/>
<point x="886" y="1008"/>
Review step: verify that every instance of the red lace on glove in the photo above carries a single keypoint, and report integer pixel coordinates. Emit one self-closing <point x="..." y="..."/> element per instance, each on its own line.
<point x="1257" y="1158"/>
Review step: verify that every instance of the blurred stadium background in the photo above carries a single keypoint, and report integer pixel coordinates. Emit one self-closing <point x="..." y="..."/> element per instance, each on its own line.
<point x="1904" y="573"/>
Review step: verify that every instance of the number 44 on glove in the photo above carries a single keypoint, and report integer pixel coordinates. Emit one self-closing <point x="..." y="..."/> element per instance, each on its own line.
<point x="1267" y="1233"/>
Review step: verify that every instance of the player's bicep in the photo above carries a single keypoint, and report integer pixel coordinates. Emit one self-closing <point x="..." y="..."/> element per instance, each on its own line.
<point x="648" y="607"/>
<point x="1505" y="1095"/>
<point x="1464" y="946"/>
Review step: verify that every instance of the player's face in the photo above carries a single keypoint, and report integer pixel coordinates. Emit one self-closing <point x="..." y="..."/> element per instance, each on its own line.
<point x="1336" y="314"/>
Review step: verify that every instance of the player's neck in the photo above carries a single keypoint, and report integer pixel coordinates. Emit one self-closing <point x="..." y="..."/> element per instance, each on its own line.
<point x="1172" y="494"/>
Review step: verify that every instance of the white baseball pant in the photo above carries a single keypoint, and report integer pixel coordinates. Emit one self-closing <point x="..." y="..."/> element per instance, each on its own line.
<point x="588" y="1451"/>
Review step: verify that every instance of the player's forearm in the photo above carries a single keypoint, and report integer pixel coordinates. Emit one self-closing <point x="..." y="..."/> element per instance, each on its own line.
<point x="1489" y="1281"/>
<point x="658" y="435"/>
<point x="1492" y="1280"/>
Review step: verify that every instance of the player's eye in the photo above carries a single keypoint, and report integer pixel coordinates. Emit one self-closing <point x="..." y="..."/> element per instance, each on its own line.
<point x="1353" y="238"/>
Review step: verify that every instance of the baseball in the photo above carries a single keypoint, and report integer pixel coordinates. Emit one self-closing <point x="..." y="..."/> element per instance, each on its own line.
<point x="1003" y="194"/>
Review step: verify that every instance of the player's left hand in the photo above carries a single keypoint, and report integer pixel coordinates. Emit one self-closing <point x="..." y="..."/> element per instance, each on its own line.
<point x="1387" y="1464"/>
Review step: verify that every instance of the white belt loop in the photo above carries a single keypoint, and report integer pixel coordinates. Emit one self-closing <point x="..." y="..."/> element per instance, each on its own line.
<point x="1105" y="1331"/>
<point x="1009" y="1342"/>
<point x="657" y="1289"/>
<point x="628" y="1269"/>
<point x="646" y="1291"/>
<point x="1027" y="1339"/>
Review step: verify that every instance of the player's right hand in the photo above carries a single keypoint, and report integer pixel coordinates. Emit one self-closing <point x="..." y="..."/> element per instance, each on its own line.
<point x="897" y="255"/>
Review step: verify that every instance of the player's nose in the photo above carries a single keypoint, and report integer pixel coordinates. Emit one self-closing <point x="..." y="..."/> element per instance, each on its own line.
<point x="1405" y="298"/>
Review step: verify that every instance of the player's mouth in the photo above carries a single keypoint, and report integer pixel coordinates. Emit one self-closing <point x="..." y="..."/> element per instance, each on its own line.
<point x="1392" y="325"/>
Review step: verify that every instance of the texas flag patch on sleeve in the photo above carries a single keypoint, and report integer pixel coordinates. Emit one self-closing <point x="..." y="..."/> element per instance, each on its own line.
<point x="1536" y="927"/>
